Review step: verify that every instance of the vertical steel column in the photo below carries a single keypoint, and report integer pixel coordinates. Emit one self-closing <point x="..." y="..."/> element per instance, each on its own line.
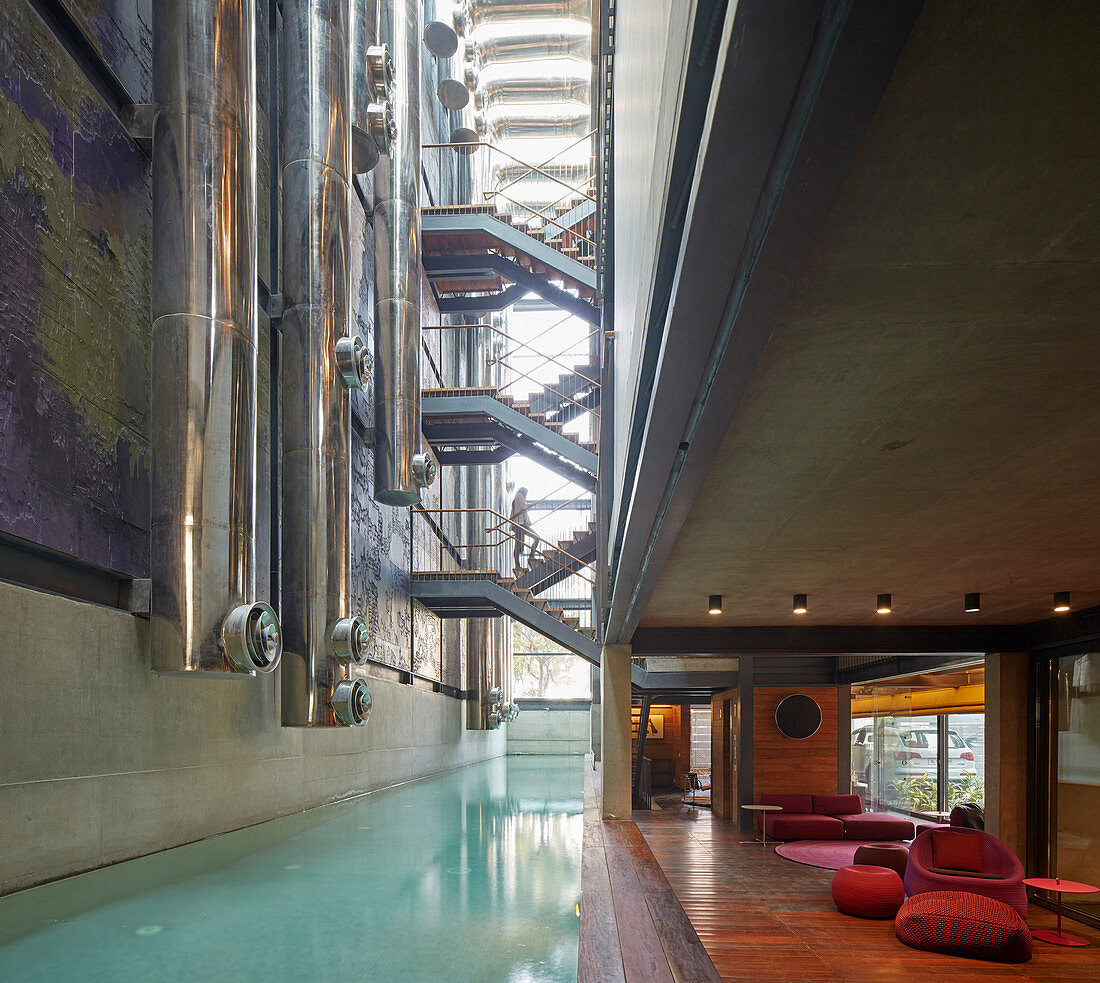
<point x="204" y="340"/>
<point x="320" y="363"/>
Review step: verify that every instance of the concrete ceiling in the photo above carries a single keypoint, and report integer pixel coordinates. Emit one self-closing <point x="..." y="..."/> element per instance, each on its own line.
<point x="926" y="417"/>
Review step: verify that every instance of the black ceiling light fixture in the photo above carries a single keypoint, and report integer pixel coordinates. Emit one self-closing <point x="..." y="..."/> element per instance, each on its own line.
<point x="715" y="606"/>
<point x="1061" y="601"/>
<point x="972" y="603"/>
<point x="884" y="605"/>
<point x="799" y="606"/>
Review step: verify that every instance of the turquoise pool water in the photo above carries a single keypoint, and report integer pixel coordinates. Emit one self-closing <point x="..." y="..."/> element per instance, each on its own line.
<point x="469" y="876"/>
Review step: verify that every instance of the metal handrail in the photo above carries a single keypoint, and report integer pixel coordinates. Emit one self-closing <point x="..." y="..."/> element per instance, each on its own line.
<point x="540" y="214"/>
<point x="510" y="536"/>
<point x="531" y="168"/>
<point x="552" y="359"/>
<point x="570" y="146"/>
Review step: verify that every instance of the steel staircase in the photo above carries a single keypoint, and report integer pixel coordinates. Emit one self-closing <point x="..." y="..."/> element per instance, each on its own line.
<point x="486" y="594"/>
<point x="567" y="558"/>
<point x="483" y="426"/>
<point x="477" y="262"/>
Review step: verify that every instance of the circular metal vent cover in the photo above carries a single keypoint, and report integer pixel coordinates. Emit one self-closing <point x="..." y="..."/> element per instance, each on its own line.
<point x="464" y="135"/>
<point x="440" y="39"/>
<point x="453" y="94"/>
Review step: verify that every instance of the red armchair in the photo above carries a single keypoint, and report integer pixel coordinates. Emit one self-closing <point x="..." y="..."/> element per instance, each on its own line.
<point x="1001" y="877"/>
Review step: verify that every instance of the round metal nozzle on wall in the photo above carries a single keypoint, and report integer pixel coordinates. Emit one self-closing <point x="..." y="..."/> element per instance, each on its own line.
<point x="424" y="468"/>
<point x="351" y="702"/>
<point x="379" y="71"/>
<point x="509" y="712"/>
<point x="353" y="362"/>
<point x="495" y="720"/>
<point x="252" y="638"/>
<point x="351" y="640"/>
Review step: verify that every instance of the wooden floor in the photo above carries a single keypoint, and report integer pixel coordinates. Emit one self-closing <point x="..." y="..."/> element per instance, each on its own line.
<point x="763" y="918"/>
<point x="633" y="929"/>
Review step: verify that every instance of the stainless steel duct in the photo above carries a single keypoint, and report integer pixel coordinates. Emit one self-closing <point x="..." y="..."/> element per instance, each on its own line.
<point x="477" y="12"/>
<point x="500" y="49"/>
<point x="204" y="336"/>
<point x="320" y="362"/>
<point x="372" y="125"/>
<point x="399" y="469"/>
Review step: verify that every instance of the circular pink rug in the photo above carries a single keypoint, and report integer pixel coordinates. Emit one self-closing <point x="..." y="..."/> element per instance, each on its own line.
<point x="830" y="854"/>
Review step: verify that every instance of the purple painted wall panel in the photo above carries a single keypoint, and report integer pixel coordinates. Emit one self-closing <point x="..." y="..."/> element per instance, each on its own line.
<point x="74" y="303"/>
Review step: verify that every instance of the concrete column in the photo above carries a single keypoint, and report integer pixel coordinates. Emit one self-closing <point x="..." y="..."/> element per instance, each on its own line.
<point x="1006" y="728"/>
<point x="597" y="743"/>
<point x="615" y="731"/>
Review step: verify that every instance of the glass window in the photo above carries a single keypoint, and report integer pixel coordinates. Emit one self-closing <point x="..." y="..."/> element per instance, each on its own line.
<point x="1074" y="850"/>
<point x="921" y="763"/>
<point x="700" y="739"/>
<point x="966" y="766"/>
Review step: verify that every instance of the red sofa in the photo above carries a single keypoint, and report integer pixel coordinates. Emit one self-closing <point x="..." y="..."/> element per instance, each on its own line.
<point x="830" y="817"/>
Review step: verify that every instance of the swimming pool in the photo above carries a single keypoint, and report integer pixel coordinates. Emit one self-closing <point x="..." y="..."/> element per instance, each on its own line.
<point x="473" y="875"/>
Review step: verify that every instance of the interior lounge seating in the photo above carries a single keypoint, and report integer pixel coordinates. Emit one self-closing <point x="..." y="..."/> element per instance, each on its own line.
<point x="961" y="859"/>
<point x="830" y="817"/>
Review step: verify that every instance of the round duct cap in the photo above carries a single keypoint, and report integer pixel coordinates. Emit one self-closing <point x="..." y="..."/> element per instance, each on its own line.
<point x="463" y="140"/>
<point x="440" y="39"/>
<point x="351" y="702"/>
<point x="351" y="640"/>
<point x="453" y="94"/>
<point x="252" y="638"/>
<point x="353" y="361"/>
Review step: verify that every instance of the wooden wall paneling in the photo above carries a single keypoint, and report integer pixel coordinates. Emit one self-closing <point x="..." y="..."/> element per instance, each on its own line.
<point x="783" y="764"/>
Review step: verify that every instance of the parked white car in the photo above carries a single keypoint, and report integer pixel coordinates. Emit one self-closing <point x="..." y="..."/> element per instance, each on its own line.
<point x="908" y="752"/>
<point x="921" y="743"/>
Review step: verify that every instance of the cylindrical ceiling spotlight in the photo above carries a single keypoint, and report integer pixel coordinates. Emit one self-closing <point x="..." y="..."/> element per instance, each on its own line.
<point x="884" y="605"/>
<point x="799" y="606"/>
<point x="1061" y="601"/>
<point x="715" y="606"/>
<point x="972" y="603"/>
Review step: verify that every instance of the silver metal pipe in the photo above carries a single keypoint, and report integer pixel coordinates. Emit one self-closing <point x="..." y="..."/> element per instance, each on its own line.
<point x="204" y="342"/>
<point x="320" y="362"/>
<point x="503" y="48"/>
<point x="474" y="13"/>
<point x="481" y="633"/>
<point x="372" y="124"/>
<point x="399" y="469"/>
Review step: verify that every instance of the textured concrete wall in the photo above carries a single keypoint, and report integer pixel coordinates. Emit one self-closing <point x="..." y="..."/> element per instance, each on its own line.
<point x="550" y="731"/>
<point x="103" y="760"/>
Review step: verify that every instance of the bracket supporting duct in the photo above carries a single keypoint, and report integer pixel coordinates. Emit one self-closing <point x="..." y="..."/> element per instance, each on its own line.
<point x="204" y="611"/>
<point x="321" y="363"/>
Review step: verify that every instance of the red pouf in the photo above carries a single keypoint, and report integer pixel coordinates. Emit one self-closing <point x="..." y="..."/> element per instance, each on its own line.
<point x="958" y="923"/>
<point x="867" y="892"/>
<point x="891" y="855"/>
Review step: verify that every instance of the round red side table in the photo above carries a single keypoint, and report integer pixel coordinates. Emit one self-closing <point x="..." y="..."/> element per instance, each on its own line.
<point x="1059" y="887"/>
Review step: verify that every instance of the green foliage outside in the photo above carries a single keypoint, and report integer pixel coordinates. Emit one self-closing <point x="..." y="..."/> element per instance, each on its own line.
<point x="918" y="792"/>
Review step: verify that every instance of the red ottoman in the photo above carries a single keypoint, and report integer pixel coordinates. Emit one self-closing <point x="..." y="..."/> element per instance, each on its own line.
<point x="958" y="923"/>
<point x="867" y="892"/>
<point x="891" y="855"/>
